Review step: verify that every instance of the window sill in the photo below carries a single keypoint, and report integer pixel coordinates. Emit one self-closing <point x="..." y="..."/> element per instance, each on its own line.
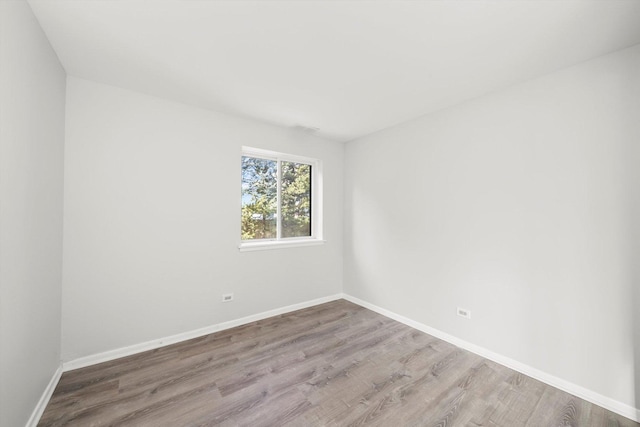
<point x="282" y="244"/>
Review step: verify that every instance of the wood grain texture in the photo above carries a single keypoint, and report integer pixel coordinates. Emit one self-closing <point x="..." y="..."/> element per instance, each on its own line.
<point x="335" y="364"/>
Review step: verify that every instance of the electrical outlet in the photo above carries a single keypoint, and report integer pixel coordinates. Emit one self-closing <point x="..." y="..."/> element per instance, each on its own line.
<point x="463" y="312"/>
<point x="227" y="297"/>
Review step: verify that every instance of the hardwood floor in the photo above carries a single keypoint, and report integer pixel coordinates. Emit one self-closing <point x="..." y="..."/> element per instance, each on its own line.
<point x="335" y="364"/>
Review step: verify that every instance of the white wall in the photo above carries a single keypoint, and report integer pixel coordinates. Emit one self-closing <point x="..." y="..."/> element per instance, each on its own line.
<point x="518" y="207"/>
<point x="32" y="91"/>
<point x="152" y="221"/>
<point x="634" y="163"/>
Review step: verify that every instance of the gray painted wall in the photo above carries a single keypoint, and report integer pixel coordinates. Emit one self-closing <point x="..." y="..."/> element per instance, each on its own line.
<point x="152" y="221"/>
<point x="516" y="206"/>
<point x="32" y="97"/>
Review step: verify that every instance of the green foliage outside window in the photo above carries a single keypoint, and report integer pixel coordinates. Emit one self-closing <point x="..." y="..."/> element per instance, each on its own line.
<point x="296" y="199"/>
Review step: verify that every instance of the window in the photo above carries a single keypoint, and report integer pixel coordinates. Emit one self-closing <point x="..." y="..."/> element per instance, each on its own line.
<point x="281" y="200"/>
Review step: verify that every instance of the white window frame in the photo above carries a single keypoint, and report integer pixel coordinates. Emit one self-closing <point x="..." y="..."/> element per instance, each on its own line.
<point x="316" y="204"/>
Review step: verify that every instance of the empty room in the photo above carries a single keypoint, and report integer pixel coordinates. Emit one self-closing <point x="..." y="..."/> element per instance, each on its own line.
<point x="320" y="213"/>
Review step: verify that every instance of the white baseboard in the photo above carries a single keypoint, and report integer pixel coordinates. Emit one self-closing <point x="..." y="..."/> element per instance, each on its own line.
<point x="44" y="399"/>
<point x="161" y="342"/>
<point x="574" y="389"/>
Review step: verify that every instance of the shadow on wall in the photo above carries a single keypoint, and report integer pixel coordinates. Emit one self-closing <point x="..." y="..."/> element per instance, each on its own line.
<point x="635" y="277"/>
<point x="633" y="161"/>
<point x="635" y="292"/>
<point x="636" y="337"/>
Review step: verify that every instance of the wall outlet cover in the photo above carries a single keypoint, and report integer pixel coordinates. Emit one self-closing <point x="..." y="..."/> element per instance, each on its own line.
<point x="463" y="312"/>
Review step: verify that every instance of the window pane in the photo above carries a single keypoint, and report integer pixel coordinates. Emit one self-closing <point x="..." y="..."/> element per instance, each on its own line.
<point x="259" y="198"/>
<point x="296" y="199"/>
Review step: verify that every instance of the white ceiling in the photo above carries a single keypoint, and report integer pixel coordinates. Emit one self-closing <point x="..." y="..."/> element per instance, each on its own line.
<point x="349" y="68"/>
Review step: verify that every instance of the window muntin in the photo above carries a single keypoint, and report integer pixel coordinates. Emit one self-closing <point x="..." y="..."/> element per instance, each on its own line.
<point x="280" y="199"/>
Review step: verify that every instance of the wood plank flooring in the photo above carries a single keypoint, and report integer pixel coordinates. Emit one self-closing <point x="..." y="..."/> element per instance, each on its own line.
<point x="335" y="364"/>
